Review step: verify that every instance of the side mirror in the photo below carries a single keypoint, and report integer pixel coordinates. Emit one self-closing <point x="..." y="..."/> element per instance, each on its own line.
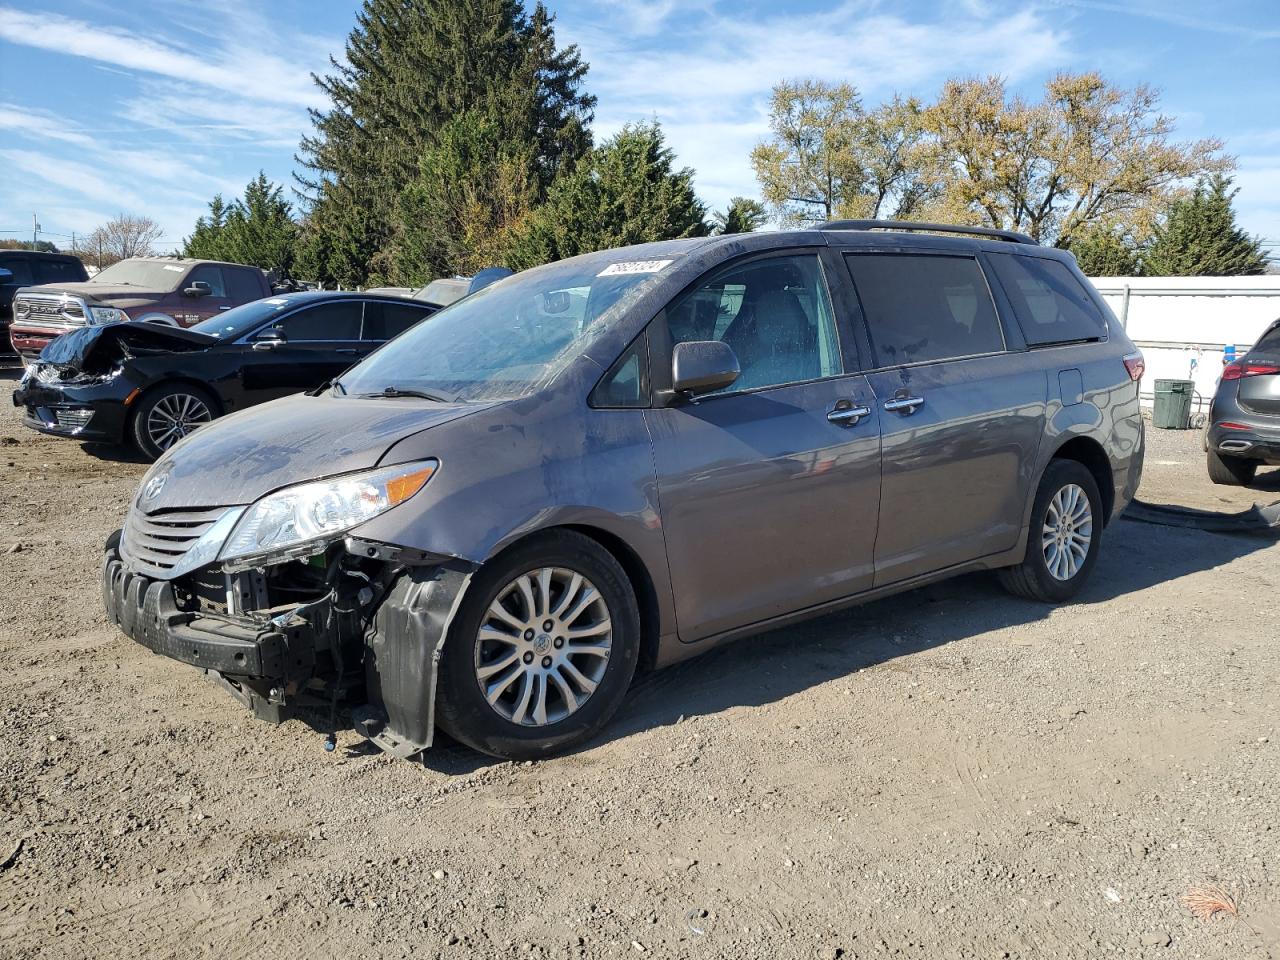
<point x="6" y="276"/>
<point x="703" y="366"/>
<point x="198" y="288"/>
<point x="269" y="339"/>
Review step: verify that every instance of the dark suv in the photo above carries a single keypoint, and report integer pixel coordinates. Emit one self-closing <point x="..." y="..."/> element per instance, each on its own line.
<point x="25" y="268"/>
<point x="1244" y="419"/>
<point x="174" y="291"/>
<point x="623" y="459"/>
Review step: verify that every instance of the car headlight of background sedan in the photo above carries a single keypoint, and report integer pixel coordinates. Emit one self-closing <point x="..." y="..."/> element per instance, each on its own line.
<point x="309" y="515"/>
<point x="107" y="315"/>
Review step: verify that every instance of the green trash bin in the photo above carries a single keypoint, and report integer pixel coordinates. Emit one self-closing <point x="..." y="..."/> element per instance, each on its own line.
<point x="1173" y="404"/>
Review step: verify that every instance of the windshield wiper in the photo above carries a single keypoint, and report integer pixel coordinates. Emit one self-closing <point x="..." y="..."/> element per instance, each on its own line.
<point x="397" y="392"/>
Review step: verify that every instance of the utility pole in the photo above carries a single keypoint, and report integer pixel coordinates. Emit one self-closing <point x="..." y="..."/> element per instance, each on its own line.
<point x="35" y="231"/>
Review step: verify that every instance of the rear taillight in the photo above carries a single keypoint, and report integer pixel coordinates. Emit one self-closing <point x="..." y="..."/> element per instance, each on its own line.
<point x="1229" y="425"/>
<point x="1135" y="365"/>
<point x="1242" y="369"/>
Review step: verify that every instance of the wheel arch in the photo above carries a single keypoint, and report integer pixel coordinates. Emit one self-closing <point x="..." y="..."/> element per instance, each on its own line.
<point x="1090" y="453"/>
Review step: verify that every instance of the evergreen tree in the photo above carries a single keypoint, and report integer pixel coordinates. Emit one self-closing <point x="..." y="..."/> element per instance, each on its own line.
<point x="205" y="241"/>
<point x="258" y="230"/>
<point x="1103" y="252"/>
<point x="412" y="67"/>
<point x="625" y="192"/>
<point x="474" y="189"/>
<point x="743" y="215"/>
<point x="1199" y="237"/>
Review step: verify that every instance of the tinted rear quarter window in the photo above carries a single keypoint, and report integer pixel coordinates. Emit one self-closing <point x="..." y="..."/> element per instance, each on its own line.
<point x="921" y="308"/>
<point x="1051" y="303"/>
<point x="59" y="271"/>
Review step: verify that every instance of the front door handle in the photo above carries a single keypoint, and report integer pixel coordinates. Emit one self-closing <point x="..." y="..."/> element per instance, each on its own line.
<point x="347" y="350"/>
<point x="903" y="404"/>
<point x="847" y="415"/>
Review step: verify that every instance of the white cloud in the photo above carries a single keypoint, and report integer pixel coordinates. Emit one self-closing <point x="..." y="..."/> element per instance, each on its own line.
<point x="711" y="93"/>
<point x="262" y="76"/>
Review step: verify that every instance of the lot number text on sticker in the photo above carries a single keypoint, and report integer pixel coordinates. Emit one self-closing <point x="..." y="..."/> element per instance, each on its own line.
<point x="632" y="266"/>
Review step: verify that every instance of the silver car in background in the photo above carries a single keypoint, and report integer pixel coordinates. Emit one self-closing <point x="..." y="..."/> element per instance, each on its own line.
<point x="618" y="461"/>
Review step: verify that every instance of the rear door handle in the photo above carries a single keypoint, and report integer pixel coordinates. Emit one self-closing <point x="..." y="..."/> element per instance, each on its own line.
<point x="224" y="308"/>
<point x="903" y="404"/>
<point x="848" y="416"/>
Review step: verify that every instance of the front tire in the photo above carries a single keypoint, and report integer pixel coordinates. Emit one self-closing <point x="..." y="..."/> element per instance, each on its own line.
<point x="1064" y="536"/>
<point x="167" y="414"/>
<point x="1230" y="471"/>
<point x="542" y="650"/>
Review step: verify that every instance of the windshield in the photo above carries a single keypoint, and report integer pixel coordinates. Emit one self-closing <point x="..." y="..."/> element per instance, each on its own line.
<point x="505" y="340"/>
<point x="150" y="274"/>
<point x="238" y="321"/>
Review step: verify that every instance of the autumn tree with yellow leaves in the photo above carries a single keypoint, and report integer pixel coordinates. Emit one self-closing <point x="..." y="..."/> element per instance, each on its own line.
<point x="1086" y="156"/>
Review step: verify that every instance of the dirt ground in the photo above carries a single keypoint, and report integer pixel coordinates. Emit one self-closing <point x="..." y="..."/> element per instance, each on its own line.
<point x="950" y="773"/>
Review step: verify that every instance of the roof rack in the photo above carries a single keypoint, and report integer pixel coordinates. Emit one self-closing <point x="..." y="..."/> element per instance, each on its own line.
<point x="1010" y="236"/>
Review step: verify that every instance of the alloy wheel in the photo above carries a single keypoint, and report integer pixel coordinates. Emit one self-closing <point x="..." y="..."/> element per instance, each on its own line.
<point x="174" y="416"/>
<point x="543" y="646"/>
<point x="1067" y="532"/>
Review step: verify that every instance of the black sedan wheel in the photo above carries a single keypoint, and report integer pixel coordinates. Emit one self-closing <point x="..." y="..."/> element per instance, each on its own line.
<point x="166" y="415"/>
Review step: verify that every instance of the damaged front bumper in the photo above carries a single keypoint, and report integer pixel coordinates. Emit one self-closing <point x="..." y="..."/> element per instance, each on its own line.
<point x="93" y="411"/>
<point x="371" y="639"/>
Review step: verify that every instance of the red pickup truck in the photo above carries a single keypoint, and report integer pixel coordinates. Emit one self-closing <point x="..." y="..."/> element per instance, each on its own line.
<point x="175" y="291"/>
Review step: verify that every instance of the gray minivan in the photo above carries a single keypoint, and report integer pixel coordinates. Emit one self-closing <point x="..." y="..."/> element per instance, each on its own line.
<point x="620" y="460"/>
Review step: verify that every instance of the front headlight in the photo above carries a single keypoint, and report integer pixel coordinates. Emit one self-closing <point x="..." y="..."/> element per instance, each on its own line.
<point x="309" y="515"/>
<point x="107" y="315"/>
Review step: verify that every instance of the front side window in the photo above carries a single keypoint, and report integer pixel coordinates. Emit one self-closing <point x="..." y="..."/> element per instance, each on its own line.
<point x="775" y="314"/>
<point x="326" y="321"/>
<point x="921" y="308"/>
<point x="1052" y="305"/>
<point x="212" y="276"/>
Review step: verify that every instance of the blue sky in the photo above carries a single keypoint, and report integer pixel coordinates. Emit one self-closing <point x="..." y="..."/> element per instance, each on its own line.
<point x="149" y="108"/>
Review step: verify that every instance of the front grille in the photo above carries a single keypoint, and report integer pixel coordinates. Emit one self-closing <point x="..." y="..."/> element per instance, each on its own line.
<point x="155" y="542"/>
<point x="34" y="308"/>
<point x="73" y="419"/>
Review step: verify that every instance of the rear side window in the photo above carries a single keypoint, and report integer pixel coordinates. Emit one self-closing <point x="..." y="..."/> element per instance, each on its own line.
<point x="382" y="321"/>
<point x="20" y="267"/>
<point x="59" y="271"/>
<point x="923" y="308"/>
<point x="1051" y="304"/>
<point x="327" y="321"/>
<point x="1269" y="343"/>
<point x="242" y="285"/>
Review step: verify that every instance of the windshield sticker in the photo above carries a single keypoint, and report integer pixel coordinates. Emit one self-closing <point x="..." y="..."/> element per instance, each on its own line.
<point x="632" y="266"/>
<point x="173" y="267"/>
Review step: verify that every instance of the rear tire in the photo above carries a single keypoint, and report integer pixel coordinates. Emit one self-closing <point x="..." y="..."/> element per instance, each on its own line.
<point x="1064" y="536"/>
<point x="166" y="414"/>
<point x="1230" y="471"/>
<point x="505" y="681"/>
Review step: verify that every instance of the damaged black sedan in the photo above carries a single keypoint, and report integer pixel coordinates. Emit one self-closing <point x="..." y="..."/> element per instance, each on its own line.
<point x="149" y="385"/>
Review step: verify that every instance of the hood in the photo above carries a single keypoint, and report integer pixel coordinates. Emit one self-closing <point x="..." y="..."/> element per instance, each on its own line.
<point x="99" y="349"/>
<point x="116" y="294"/>
<point x="237" y="459"/>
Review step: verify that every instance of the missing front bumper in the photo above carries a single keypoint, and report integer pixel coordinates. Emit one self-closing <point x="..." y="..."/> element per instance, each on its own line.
<point x="270" y="666"/>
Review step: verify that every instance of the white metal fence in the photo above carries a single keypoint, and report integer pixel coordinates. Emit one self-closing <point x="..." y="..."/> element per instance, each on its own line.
<point x="1184" y="325"/>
